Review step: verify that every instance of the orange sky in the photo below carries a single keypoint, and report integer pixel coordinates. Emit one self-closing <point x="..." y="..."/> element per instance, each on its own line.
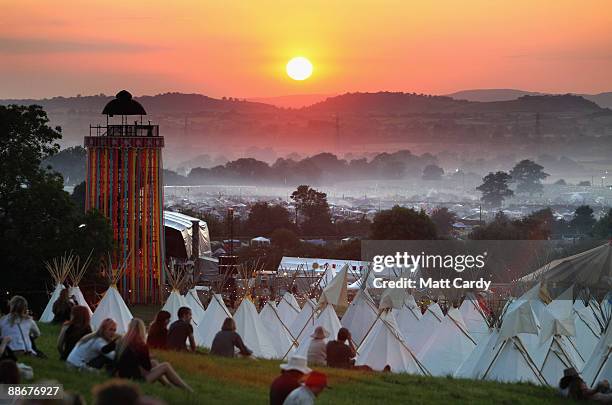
<point x="239" y="48"/>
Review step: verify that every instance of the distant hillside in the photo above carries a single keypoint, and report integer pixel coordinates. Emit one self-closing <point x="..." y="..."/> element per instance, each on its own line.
<point x="603" y="100"/>
<point x="403" y="103"/>
<point x="158" y="104"/>
<point x="488" y="95"/>
<point x="291" y="101"/>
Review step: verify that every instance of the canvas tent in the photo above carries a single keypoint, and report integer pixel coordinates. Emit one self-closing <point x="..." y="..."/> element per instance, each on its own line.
<point x="360" y="316"/>
<point x="474" y="317"/>
<point x="592" y="268"/>
<point x="427" y="326"/>
<point x="58" y="269"/>
<point x="75" y="275"/>
<point x="175" y="300"/>
<point x="277" y="330"/>
<point x="449" y="347"/>
<point x="253" y="333"/>
<point x="211" y="322"/>
<point x="197" y="308"/>
<point x="288" y="308"/>
<point x="112" y="304"/>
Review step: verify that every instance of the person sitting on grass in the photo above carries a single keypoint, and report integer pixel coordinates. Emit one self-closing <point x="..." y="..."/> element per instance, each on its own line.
<point x="95" y="350"/>
<point x="339" y="353"/>
<point x="224" y="342"/>
<point x="62" y="307"/>
<point x="180" y="331"/>
<point x="73" y="330"/>
<point x="133" y="360"/>
<point x="291" y="376"/>
<point x="19" y="326"/>
<point x="306" y="394"/>
<point x="158" y="331"/>
<point x="573" y="386"/>
<point x="317" y="349"/>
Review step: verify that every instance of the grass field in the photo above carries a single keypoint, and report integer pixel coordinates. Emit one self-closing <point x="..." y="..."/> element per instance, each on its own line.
<point x="241" y="381"/>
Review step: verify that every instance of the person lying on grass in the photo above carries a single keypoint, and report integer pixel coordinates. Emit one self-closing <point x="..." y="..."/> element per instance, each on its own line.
<point x="73" y="330"/>
<point x="95" y="350"/>
<point x="224" y="342"/>
<point x="180" y="331"/>
<point x="158" y="331"/>
<point x="134" y="361"/>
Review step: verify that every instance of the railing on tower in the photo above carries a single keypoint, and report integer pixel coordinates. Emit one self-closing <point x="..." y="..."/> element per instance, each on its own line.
<point x="134" y="130"/>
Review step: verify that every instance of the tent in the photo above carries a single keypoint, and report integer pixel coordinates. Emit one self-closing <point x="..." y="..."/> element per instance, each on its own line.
<point x="58" y="269"/>
<point x="599" y="365"/>
<point x="449" y="347"/>
<point x="197" y="308"/>
<point x="417" y="335"/>
<point x="587" y="329"/>
<point x="254" y="335"/>
<point x="360" y="316"/>
<point x="277" y="330"/>
<point x="302" y="319"/>
<point x="212" y="321"/>
<point x="384" y="347"/>
<point x="288" y="308"/>
<point x="75" y="275"/>
<point x="592" y="268"/>
<point x="175" y="300"/>
<point x="474" y="317"/>
<point x="112" y="304"/>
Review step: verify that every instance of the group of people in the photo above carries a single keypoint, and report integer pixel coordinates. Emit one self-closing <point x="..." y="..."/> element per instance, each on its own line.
<point x="574" y="387"/>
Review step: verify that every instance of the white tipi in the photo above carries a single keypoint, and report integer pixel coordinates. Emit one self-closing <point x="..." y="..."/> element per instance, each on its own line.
<point x="253" y="333"/>
<point x="59" y="269"/>
<point x="76" y="274"/>
<point x="360" y="316"/>
<point x="112" y="304"/>
<point x="211" y="322"/>
<point x="277" y="330"/>
<point x="288" y="308"/>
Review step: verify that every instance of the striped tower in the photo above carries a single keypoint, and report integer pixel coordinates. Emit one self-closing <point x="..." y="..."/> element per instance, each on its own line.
<point x="124" y="182"/>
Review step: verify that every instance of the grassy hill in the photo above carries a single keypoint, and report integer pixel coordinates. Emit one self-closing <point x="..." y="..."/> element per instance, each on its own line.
<point x="241" y="381"/>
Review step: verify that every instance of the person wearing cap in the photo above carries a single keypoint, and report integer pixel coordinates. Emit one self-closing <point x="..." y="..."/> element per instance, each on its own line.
<point x="306" y="394"/>
<point x="317" y="351"/>
<point x="341" y="353"/>
<point x="291" y="375"/>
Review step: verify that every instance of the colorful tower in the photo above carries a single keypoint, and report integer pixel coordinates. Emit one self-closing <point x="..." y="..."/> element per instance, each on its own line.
<point x="124" y="182"/>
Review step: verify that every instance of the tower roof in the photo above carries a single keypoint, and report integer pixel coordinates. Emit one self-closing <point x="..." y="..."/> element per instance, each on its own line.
<point x="123" y="104"/>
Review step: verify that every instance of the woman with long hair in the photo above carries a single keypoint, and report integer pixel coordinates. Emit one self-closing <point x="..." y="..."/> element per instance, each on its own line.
<point x="224" y="342"/>
<point x="158" y="331"/>
<point x="96" y="349"/>
<point x="62" y="307"/>
<point x="133" y="359"/>
<point x="73" y="330"/>
<point x="19" y="326"/>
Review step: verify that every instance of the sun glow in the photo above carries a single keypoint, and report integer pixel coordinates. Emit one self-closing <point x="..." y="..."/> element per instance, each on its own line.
<point x="299" y="68"/>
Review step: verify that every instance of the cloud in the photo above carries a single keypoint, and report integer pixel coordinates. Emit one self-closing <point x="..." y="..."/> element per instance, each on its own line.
<point x="22" y="46"/>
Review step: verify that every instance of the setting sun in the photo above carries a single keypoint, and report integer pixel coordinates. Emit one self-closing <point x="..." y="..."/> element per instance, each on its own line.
<point x="299" y="68"/>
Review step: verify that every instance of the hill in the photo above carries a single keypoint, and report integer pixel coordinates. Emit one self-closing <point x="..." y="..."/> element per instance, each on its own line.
<point x="291" y="101"/>
<point x="240" y="381"/>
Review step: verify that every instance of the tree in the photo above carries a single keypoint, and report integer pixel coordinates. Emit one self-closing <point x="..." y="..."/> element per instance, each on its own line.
<point x="70" y="163"/>
<point x="433" y="172"/>
<point x="264" y="218"/>
<point x="313" y="207"/>
<point x="494" y="188"/>
<point x="528" y="175"/>
<point x="38" y="220"/>
<point x="78" y="196"/>
<point x="583" y="220"/>
<point x="603" y="227"/>
<point x="400" y="223"/>
<point x="285" y="239"/>
<point x="444" y="220"/>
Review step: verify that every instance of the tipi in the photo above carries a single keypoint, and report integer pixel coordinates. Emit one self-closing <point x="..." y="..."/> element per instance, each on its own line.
<point x="288" y="308"/>
<point x="59" y="269"/>
<point x="252" y="331"/>
<point x="112" y="304"/>
<point x="277" y="330"/>
<point x="175" y="300"/>
<point x="211" y="323"/>
<point x="76" y="274"/>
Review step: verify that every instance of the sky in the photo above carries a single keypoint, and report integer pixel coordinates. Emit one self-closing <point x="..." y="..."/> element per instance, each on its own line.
<point x="240" y="48"/>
